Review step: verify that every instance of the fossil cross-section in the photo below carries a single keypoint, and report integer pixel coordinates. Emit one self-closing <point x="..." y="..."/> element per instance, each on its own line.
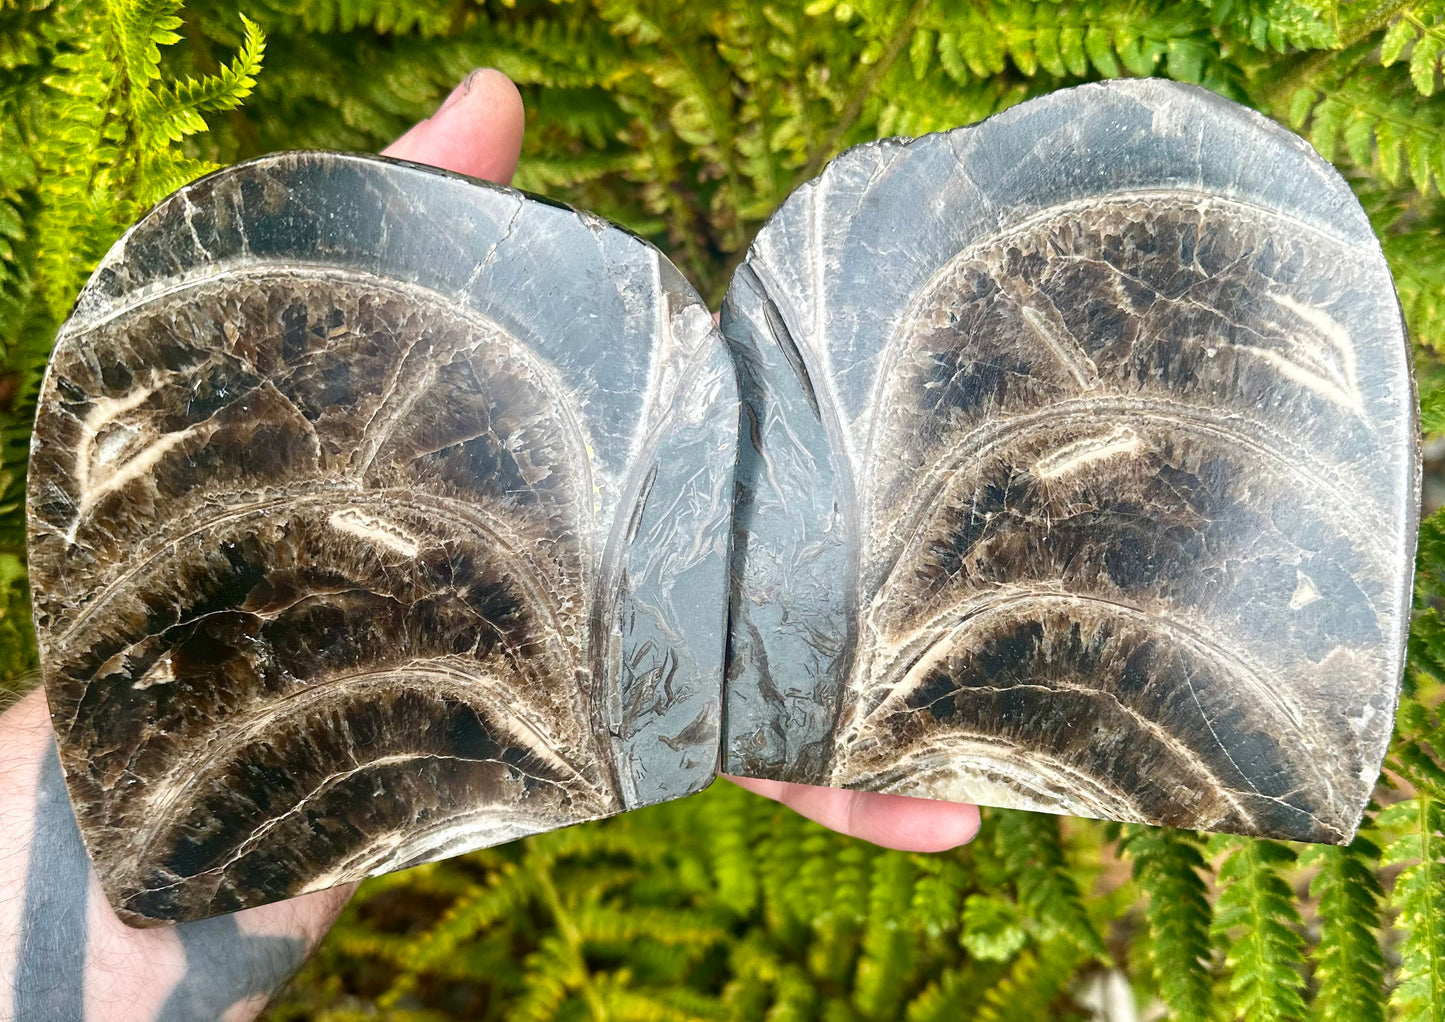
<point x="376" y="514"/>
<point x="1078" y="472"/>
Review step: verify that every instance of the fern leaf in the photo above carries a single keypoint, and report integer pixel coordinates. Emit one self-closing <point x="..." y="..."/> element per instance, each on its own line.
<point x="888" y="952"/>
<point x="1413" y="240"/>
<point x="992" y="928"/>
<point x="174" y="111"/>
<point x="946" y="999"/>
<point x="621" y="925"/>
<point x="952" y="59"/>
<point x="1280" y="25"/>
<point x="1034" y="984"/>
<point x="938" y="895"/>
<point x="920" y="53"/>
<point x="1418" y="894"/>
<point x="1029" y="845"/>
<point x="1349" y="965"/>
<point x="385" y="17"/>
<point x="17" y="636"/>
<point x="1362" y="103"/>
<point x="1169" y="866"/>
<point x="1257" y="925"/>
<point x="140" y="29"/>
<point x="779" y="991"/>
<point x="552" y="973"/>
<point x="729" y="849"/>
<point x="1098" y="44"/>
<point x="1397" y="39"/>
<point x="1415" y="721"/>
<point x="1417" y="34"/>
<point x="469" y="915"/>
<point x="622" y="1003"/>
<point x="1425" y="61"/>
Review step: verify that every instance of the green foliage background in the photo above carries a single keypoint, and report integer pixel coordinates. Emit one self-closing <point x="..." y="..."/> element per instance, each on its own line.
<point x="689" y="123"/>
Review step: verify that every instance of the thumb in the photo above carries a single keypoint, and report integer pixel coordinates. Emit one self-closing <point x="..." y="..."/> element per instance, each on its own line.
<point x="476" y="131"/>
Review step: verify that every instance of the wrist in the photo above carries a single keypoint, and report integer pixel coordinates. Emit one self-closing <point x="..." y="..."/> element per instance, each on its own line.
<point x="64" y="955"/>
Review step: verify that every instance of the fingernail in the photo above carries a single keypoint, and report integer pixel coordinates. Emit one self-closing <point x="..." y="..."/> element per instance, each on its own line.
<point x="462" y="89"/>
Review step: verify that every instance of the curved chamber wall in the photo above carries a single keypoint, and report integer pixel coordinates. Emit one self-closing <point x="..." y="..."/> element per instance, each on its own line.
<point x="1078" y="472"/>
<point x="376" y="514"/>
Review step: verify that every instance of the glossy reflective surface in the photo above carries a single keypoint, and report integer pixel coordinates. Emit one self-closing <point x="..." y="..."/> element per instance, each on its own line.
<point x="376" y="514"/>
<point x="1078" y="472"/>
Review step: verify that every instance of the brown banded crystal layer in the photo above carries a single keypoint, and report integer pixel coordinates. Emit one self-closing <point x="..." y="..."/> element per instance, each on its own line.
<point x="1078" y="472"/>
<point x="356" y="545"/>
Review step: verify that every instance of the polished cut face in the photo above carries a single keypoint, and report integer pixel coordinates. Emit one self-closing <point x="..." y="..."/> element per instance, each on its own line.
<point x="1078" y="472"/>
<point x="1063" y="462"/>
<point x="376" y="514"/>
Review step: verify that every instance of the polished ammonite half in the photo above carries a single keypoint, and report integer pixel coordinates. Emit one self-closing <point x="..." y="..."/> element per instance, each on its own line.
<point x="376" y="514"/>
<point x="1078" y="472"/>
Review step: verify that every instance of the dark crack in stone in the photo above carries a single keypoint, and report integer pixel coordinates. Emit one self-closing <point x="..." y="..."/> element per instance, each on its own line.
<point x="1078" y="472"/>
<point x="376" y="514"/>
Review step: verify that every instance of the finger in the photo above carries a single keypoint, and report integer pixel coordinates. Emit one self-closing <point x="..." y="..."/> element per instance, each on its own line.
<point x="893" y="821"/>
<point x="476" y="131"/>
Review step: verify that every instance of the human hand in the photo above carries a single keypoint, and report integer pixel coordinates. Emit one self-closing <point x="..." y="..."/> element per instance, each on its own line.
<point x="893" y="821"/>
<point x="65" y="956"/>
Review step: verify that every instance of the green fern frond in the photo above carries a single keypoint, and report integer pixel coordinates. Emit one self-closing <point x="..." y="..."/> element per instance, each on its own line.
<point x="993" y="928"/>
<point x="1169" y="867"/>
<point x="938" y="895"/>
<point x="164" y="171"/>
<point x="726" y="821"/>
<point x="551" y="975"/>
<point x="479" y="908"/>
<point x="1076" y="40"/>
<point x="1426" y="648"/>
<point x="172" y="112"/>
<point x="950" y="997"/>
<point x="1418" y="894"/>
<point x="140" y="28"/>
<point x="1418" y="752"/>
<point x="623" y="1003"/>
<point x="1031" y="851"/>
<point x="544" y="850"/>
<point x="671" y="925"/>
<point x="385" y="17"/>
<point x="768" y="986"/>
<point x="1035" y="984"/>
<point x="71" y="154"/>
<point x="1257" y="926"/>
<point x="1349" y="964"/>
<point x="1417" y="33"/>
<point x="888" y="944"/>
<point x="1412" y="235"/>
<point x="17" y="637"/>
<point x="933" y="106"/>
<point x="1280" y="25"/>
<point x="1373" y="116"/>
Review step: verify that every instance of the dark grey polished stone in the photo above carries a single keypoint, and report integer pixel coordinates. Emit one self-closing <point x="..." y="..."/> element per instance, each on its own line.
<point x="376" y="514"/>
<point x="1078" y="472"/>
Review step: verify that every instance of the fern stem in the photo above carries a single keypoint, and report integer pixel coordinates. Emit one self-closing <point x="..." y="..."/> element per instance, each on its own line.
<point x="206" y="64"/>
<point x="1427" y="912"/>
<point x="1277" y="88"/>
<point x="866" y="89"/>
<point x="721" y="128"/>
<point x="572" y="936"/>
